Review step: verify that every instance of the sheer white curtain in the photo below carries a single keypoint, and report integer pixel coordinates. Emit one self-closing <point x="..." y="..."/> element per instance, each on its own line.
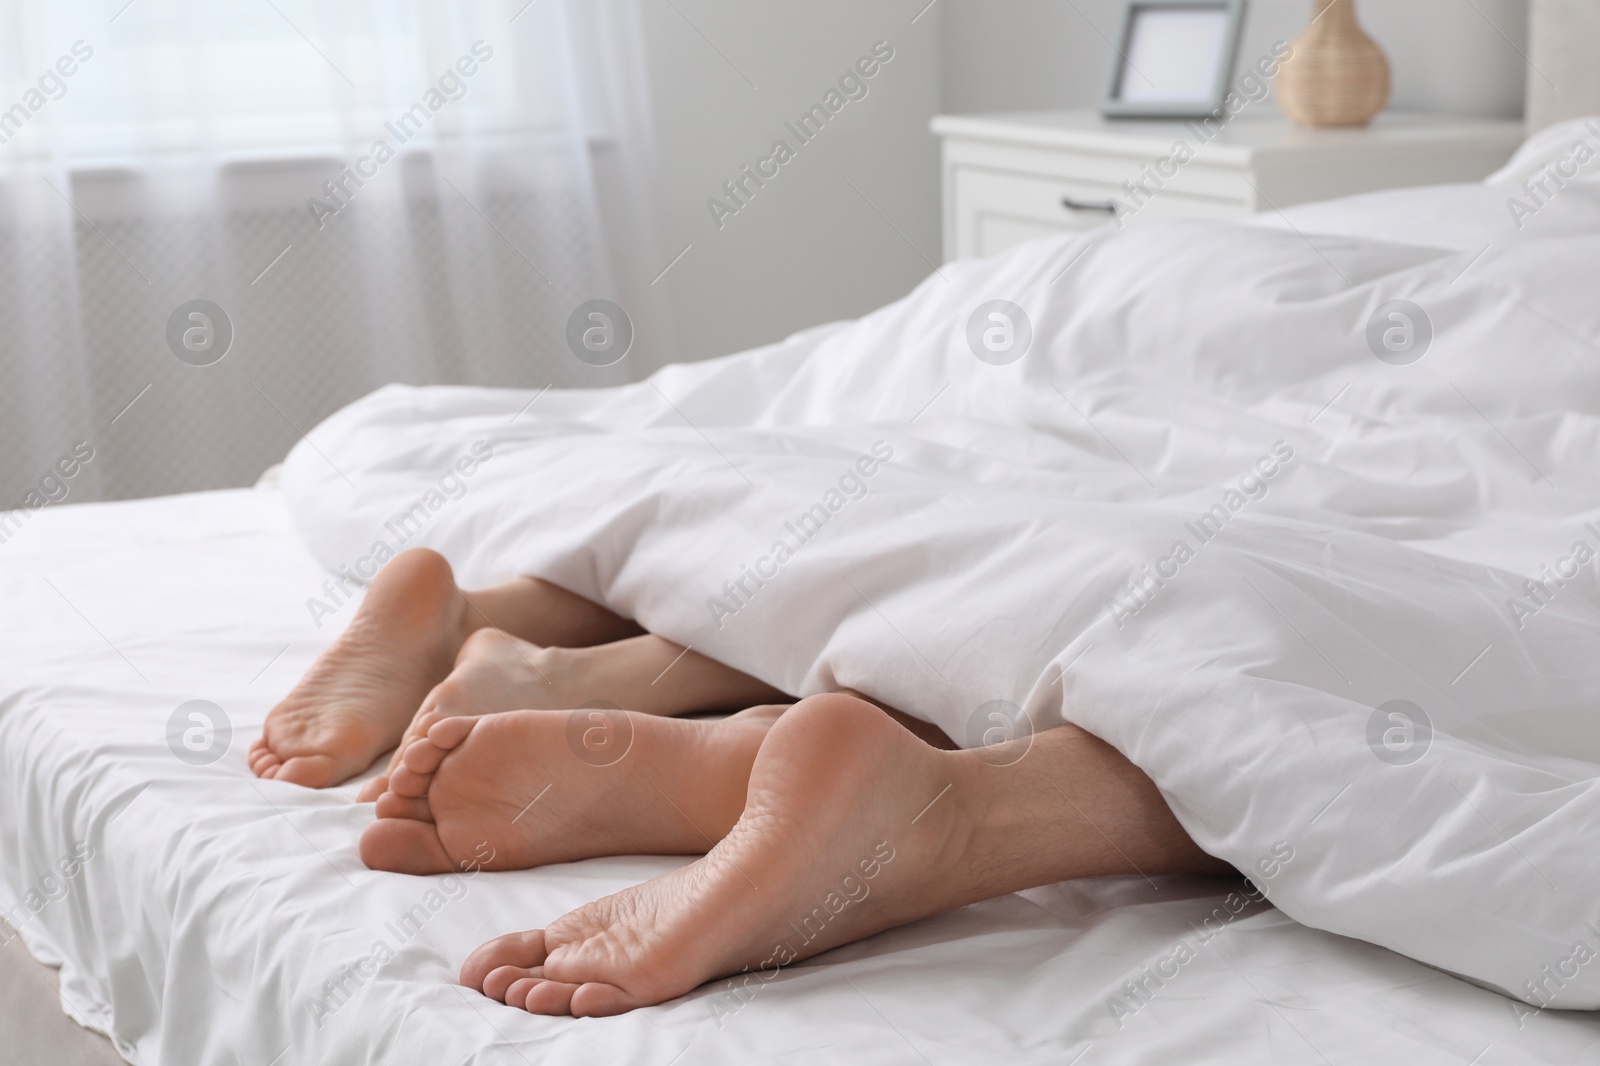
<point x="358" y="191"/>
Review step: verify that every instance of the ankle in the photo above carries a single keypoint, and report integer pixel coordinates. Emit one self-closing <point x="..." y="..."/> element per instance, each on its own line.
<point x="993" y="842"/>
<point x="579" y="676"/>
<point x="727" y="751"/>
<point x="462" y="619"/>
<point x="962" y="833"/>
<point x="562" y="678"/>
<point x="624" y="673"/>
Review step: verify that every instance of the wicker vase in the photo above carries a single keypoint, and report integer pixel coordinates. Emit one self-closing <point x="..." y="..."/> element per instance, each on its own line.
<point x="1337" y="75"/>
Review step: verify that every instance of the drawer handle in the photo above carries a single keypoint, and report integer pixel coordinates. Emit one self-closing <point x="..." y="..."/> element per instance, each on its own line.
<point x="1104" y="207"/>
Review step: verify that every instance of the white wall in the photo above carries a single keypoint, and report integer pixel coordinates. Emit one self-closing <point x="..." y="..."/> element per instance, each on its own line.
<point x="1563" y="76"/>
<point x="808" y="248"/>
<point x="1456" y="56"/>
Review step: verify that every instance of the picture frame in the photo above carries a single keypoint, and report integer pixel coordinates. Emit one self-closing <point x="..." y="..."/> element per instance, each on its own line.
<point x="1173" y="58"/>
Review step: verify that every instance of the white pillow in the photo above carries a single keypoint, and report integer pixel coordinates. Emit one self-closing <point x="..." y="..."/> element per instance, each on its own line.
<point x="1577" y="140"/>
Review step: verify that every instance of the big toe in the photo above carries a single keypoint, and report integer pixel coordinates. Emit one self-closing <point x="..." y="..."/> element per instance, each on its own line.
<point x="404" y="846"/>
<point x="520" y="950"/>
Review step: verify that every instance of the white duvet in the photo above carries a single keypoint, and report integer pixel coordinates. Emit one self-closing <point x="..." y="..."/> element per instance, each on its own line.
<point x="1343" y="609"/>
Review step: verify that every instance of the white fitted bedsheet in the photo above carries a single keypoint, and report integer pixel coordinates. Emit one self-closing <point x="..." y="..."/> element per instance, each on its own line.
<point x="216" y="908"/>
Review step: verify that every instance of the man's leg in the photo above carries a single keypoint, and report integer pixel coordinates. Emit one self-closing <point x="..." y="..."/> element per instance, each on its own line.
<point x="851" y="826"/>
<point x="355" y="701"/>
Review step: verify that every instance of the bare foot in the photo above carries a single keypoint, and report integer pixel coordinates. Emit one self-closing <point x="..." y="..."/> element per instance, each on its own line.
<point x="847" y="831"/>
<point x="493" y="672"/>
<point x="354" y="702"/>
<point x="516" y="781"/>
<point x="497" y="672"/>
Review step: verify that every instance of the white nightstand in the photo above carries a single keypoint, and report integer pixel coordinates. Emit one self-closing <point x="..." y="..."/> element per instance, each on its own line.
<point x="1011" y="178"/>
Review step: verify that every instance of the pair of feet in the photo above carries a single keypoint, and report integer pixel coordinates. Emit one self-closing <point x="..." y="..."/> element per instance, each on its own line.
<point x="815" y="829"/>
<point x="820" y="824"/>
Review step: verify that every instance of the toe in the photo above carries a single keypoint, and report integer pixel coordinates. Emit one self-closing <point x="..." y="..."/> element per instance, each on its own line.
<point x="404" y="846"/>
<point x="373" y="789"/>
<point x="423" y="756"/>
<point x="391" y="805"/>
<point x="448" y="733"/>
<point x="596" y="999"/>
<point x="547" y="997"/>
<point x="418" y="728"/>
<point x="311" y="771"/>
<point x="264" y="763"/>
<point x="427" y="718"/>
<point x="502" y="979"/>
<point x="407" y="782"/>
<point x="522" y="950"/>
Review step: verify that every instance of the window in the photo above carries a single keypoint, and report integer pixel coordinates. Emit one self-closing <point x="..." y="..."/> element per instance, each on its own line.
<point x="256" y="77"/>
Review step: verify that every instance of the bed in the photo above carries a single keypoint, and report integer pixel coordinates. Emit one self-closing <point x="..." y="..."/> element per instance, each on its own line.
<point x="217" y="909"/>
<point x="193" y="913"/>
